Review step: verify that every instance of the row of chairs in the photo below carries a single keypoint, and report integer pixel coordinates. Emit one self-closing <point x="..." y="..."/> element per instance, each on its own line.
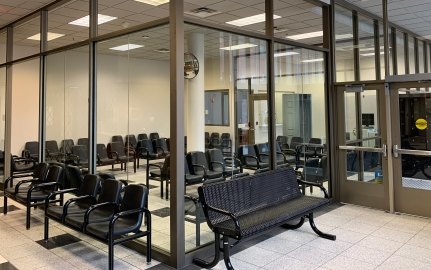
<point x="297" y="147"/>
<point x="215" y="140"/>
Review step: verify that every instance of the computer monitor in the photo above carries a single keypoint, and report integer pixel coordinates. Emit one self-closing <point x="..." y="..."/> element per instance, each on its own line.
<point x="368" y="119"/>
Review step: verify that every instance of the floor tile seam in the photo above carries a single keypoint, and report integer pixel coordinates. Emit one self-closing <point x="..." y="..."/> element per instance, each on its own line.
<point x="392" y="254"/>
<point x="288" y="254"/>
<point x="350" y="258"/>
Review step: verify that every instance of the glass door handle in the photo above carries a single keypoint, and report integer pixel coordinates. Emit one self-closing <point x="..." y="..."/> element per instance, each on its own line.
<point x="382" y="150"/>
<point x="397" y="151"/>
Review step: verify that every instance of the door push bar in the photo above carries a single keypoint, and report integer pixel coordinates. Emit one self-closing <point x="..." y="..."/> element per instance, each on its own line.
<point x="397" y="151"/>
<point x="382" y="150"/>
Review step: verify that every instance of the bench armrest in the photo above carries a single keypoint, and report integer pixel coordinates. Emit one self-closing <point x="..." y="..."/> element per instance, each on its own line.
<point x="201" y="167"/>
<point x="315" y="185"/>
<point x="34" y="180"/>
<point x="130" y="212"/>
<point x="96" y="206"/>
<point x="63" y="191"/>
<point x="252" y="157"/>
<point x="74" y="200"/>
<point x="225" y="213"/>
<point x="221" y="164"/>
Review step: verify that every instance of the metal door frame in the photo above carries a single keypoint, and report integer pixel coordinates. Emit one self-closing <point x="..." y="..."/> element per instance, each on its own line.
<point x="251" y="121"/>
<point x="356" y="192"/>
<point x="393" y="84"/>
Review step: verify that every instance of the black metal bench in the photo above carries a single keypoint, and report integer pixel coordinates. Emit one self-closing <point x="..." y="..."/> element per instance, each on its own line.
<point x="247" y="206"/>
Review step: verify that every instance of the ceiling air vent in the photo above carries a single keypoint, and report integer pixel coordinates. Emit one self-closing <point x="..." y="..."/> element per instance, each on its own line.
<point x="276" y="30"/>
<point x="202" y="12"/>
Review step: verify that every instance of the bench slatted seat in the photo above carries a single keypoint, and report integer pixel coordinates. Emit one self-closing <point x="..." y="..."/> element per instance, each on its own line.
<point x="250" y="205"/>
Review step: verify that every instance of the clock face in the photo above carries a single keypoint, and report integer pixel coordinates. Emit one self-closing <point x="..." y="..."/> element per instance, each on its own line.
<point x="191" y="66"/>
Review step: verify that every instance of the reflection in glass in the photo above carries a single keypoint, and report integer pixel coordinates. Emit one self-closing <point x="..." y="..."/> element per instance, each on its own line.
<point x="401" y="60"/>
<point x="2" y="47"/>
<point x="2" y="122"/>
<point x="412" y="59"/>
<point x="421" y="56"/>
<point x="344" y="45"/>
<point x="26" y="38"/>
<point x="366" y="46"/>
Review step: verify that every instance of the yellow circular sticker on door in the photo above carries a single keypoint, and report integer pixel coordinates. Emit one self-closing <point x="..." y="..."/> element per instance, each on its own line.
<point x="421" y="124"/>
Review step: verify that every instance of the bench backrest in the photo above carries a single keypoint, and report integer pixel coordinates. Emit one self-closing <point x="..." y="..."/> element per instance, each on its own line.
<point x="246" y="194"/>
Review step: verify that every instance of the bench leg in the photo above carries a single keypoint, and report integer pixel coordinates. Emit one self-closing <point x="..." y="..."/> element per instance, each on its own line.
<point x="317" y="231"/>
<point x="4" y="204"/>
<point x="226" y="255"/>
<point x="46" y="228"/>
<point x="148" y="217"/>
<point x="27" y="218"/>
<point x="205" y="264"/>
<point x="111" y="252"/>
<point x="294" y="226"/>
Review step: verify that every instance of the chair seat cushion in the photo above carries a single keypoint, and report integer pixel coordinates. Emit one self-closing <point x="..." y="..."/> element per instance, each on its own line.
<point x="122" y="226"/>
<point x="56" y="211"/>
<point x="76" y="220"/>
<point x="255" y="221"/>
<point x="35" y="195"/>
<point x="193" y="179"/>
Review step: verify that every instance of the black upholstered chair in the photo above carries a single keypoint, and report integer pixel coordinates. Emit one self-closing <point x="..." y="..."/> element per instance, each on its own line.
<point x="82" y="141"/>
<point x="122" y="155"/>
<point x="130" y="141"/>
<point x="142" y="136"/>
<point x="207" y="140"/>
<point x="161" y="146"/>
<point x="230" y="166"/>
<point x="66" y="146"/>
<point x="314" y="148"/>
<point x="315" y="171"/>
<point x="226" y="144"/>
<point x="154" y="136"/>
<point x="146" y="151"/>
<point x="125" y="224"/>
<point x="80" y="154"/>
<point x="215" y="141"/>
<point x="189" y="178"/>
<point x="249" y="159"/>
<point x="283" y="142"/>
<point x="102" y="156"/>
<point x="31" y="150"/>
<point x="37" y="176"/>
<point x="160" y="172"/>
<point x="85" y="197"/>
<point x="52" y="150"/>
<point x="117" y="138"/>
<point x="36" y="194"/>
<point x="199" y="166"/>
<point x="22" y="167"/>
<point x="107" y="200"/>
<point x="262" y="151"/>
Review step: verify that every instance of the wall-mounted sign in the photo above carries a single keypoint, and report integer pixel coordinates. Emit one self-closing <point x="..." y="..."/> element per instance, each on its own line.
<point x="421" y="124"/>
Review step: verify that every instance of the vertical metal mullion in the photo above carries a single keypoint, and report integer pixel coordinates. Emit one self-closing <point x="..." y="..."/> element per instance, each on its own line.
<point x="357" y="71"/>
<point x="426" y="61"/>
<point x="8" y="103"/>
<point x="269" y="24"/>
<point x="92" y="91"/>
<point x="406" y="53"/>
<point x="386" y="37"/>
<point x="377" y="50"/>
<point x="394" y="51"/>
<point x="177" y="226"/>
<point x="416" y="54"/>
<point x="42" y="82"/>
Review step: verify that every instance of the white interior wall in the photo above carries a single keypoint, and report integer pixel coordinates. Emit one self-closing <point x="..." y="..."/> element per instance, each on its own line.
<point x="2" y="106"/>
<point x="25" y="104"/>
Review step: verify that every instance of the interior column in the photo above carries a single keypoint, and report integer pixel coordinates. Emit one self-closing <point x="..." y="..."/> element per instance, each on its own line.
<point x="196" y="97"/>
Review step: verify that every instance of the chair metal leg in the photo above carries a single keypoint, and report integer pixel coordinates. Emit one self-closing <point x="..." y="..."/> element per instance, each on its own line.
<point x="205" y="264"/>
<point x="198" y="232"/>
<point x="294" y="226"/>
<point x="45" y="232"/>
<point x="27" y="219"/>
<point x="226" y="254"/>
<point x="317" y="231"/>
<point x="111" y="252"/>
<point x="148" y="217"/>
<point x="4" y="205"/>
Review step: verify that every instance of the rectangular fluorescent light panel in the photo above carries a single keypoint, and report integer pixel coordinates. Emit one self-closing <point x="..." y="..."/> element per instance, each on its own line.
<point x="51" y="36"/>
<point x="313" y="60"/>
<point x="251" y="20"/>
<point x="126" y="47"/>
<point x="370" y="54"/>
<point x="153" y="2"/>
<point x="85" y="21"/>
<point x="285" y="54"/>
<point x="238" y="47"/>
<point x="306" y="35"/>
<point x="343" y="36"/>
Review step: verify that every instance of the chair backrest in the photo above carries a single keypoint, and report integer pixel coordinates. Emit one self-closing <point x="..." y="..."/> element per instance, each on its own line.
<point x="312" y="170"/>
<point x="198" y="158"/>
<point x="135" y="197"/>
<point x="315" y="141"/>
<point x="215" y="135"/>
<point x="40" y="171"/>
<point x="130" y="140"/>
<point x="161" y="142"/>
<point x="142" y="136"/>
<point x="111" y="190"/>
<point x="90" y="185"/>
<point x="117" y="147"/>
<point x="82" y="141"/>
<point x="72" y="177"/>
<point x="55" y="173"/>
<point x="81" y="151"/>
<point x="225" y="136"/>
<point x="117" y="138"/>
<point x="246" y="149"/>
<point x="146" y="145"/>
<point x="66" y="146"/>
<point x="282" y="140"/>
<point x="154" y="136"/>
<point x="215" y="155"/>
<point x="52" y="146"/>
<point x="102" y="152"/>
<point x="295" y="141"/>
<point x="32" y="149"/>
<point x="261" y="148"/>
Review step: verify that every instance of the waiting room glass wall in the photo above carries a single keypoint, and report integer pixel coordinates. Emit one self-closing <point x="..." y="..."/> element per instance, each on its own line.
<point x="344" y="57"/>
<point x="66" y="112"/>
<point x="133" y="117"/>
<point x="2" y="47"/>
<point x="2" y="121"/>
<point x="300" y="109"/>
<point x="25" y="109"/>
<point x="26" y="38"/>
<point x="401" y="53"/>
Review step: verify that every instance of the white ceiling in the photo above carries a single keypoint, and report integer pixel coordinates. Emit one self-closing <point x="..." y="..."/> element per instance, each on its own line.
<point x="413" y="15"/>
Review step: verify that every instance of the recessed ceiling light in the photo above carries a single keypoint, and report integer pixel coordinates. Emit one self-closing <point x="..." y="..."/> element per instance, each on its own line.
<point x="238" y="47"/>
<point x="251" y="20"/>
<point x="313" y="60"/>
<point x="162" y="50"/>
<point x="51" y="36"/>
<point x="370" y="54"/>
<point x="126" y="47"/>
<point x="85" y="21"/>
<point x="285" y="54"/>
<point x="153" y="2"/>
<point x="306" y="35"/>
<point x="343" y="36"/>
<point x="145" y="37"/>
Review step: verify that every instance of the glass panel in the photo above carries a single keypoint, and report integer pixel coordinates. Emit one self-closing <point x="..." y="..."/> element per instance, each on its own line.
<point x="401" y="59"/>
<point x="246" y="15"/>
<point x="363" y="166"/>
<point x="3" y="36"/>
<point x="415" y="108"/>
<point x="344" y="45"/>
<point x="300" y="109"/>
<point x="412" y="65"/>
<point x="238" y="64"/>
<point x="67" y="24"/>
<point x="26" y="38"/>
<point x="126" y="111"/>
<point x="119" y="15"/>
<point x="292" y="25"/>
<point x="67" y="107"/>
<point x="428" y="47"/>
<point x="2" y="122"/>
<point x="421" y="56"/>
<point x="217" y="108"/>
<point x="25" y="106"/>
<point x="382" y="52"/>
<point x="367" y="62"/>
